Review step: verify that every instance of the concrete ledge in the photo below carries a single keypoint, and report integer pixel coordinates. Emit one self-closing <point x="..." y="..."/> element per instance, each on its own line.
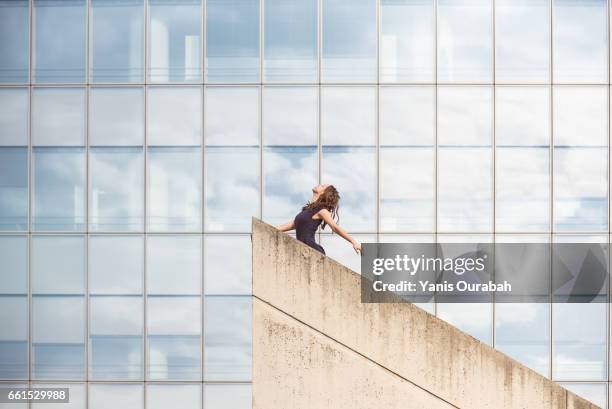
<point x="313" y="291"/>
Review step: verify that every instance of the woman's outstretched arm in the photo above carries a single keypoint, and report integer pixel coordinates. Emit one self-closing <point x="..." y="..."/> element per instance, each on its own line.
<point x="327" y="218"/>
<point x="287" y="226"/>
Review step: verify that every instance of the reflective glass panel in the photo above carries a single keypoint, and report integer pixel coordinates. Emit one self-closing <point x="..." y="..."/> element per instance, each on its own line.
<point x="13" y="337"/>
<point x="348" y="116"/>
<point x="175" y="189"/>
<point x="348" y="41"/>
<point x="290" y="49"/>
<point x="116" y="116"/>
<point x="232" y="40"/>
<point x="13" y="116"/>
<point x="406" y="135"/>
<point x="522" y="136"/>
<point x="13" y="265"/>
<point x="58" y="337"/>
<point x="174" y="265"/>
<point x="223" y="396"/>
<point x="342" y="251"/>
<point x="522" y="54"/>
<point x="232" y="116"/>
<point x="473" y="318"/>
<point x="593" y="392"/>
<point x="116" y="206"/>
<point x="175" y="46"/>
<point x="580" y="41"/>
<point x="13" y="188"/>
<point x="407" y="40"/>
<point x="76" y="392"/>
<point x="15" y="47"/>
<point x="227" y="264"/>
<point x="116" y="264"/>
<point x="58" y="264"/>
<point x="58" y="116"/>
<point x="116" y="41"/>
<point x="228" y="339"/>
<point x="579" y="341"/>
<point x="580" y="123"/>
<point x="115" y="396"/>
<point x="232" y="188"/>
<point x="174" y="116"/>
<point x="290" y="154"/>
<point x="58" y="198"/>
<point x="465" y="41"/>
<point x="174" y="338"/>
<point x="59" y="41"/>
<point x="116" y="341"/>
<point x="522" y="331"/>
<point x="171" y="396"/>
<point x="464" y="159"/>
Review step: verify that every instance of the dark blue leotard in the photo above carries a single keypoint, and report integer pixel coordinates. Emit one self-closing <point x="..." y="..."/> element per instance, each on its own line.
<point x="306" y="227"/>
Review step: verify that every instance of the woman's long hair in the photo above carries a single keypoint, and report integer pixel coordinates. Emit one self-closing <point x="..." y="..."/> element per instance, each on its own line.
<point x="329" y="199"/>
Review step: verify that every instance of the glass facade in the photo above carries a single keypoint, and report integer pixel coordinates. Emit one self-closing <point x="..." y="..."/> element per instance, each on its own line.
<point x="138" y="137"/>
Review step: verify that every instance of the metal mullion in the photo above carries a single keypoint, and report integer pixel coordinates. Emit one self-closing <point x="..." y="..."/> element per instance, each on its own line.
<point x="493" y="158"/>
<point x="435" y="164"/>
<point x="551" y="186"/>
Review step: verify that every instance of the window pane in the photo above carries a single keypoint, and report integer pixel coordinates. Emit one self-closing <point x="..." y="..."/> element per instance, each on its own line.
<point x="291" y="153"/>
<point x="116" y="341"/>
<point x="13" y="265"/>
<point x="13" y="188"/>
<point x="342" y="251"/>
<point x="473" y="318"/>
<point x="465" y="42"/>
<point x="232" y="116"/>
<point x="173" y="396"/>
<point x="290" y="49"/>
<point x="174" y="116"/>
<point x="348" y="116"/>
<point x="579" y="341"/>
<point x="13" y="115"/>
<point x="59" y="41"/>
<point x="58" y="338"/>
<point x="407" y="129"/>
<point x="227" y="265"/>
<point x="76" y="393"/>
<point x="174" y="338"/>
<point x="116" y="206"/>
<point x="464" y="159"/>
<point x="349" y="41"/>
<point x="174" y="40"/>
<point x="580" y="41"/>
<point x="580" y="158"/>
<point x="115" y="396"/>
<point x="522" y="55"/>
<point x="523" y="333"/>
<point x="228" y="339"/>
<point x="116" y="116"/>
<point x="227" y="396"/>
<point x="174" y="265"/>
<point x="232" y="188"/>
<point x="116" y="264"/>
<point x="232" y="45"/>
<point x="59" y="189"/>
<point x="522" y="190"/>
<point x="58" y="116"/>
<point x="58" y="265"/>
<point x="593" y="392"/>
<point x="407" y="42"/>
<point x="15" y="47"/>
<point x="175" y="189"/>
<point x="13" y="337"/>
<point x="352" y="170"/>
<point x="117" y="40"/>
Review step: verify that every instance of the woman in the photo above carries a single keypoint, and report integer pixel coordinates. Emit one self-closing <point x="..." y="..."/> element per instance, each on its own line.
<point x="322" y="208"/>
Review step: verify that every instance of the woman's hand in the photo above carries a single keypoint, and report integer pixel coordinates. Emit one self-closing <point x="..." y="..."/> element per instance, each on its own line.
<point x="357" y="247"/>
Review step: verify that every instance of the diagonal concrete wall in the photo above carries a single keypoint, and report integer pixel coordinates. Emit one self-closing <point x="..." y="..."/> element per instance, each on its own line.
<point x="315" y="345"/>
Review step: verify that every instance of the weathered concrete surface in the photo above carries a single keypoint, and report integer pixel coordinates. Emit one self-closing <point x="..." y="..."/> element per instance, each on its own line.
<point x="304" y="301"/>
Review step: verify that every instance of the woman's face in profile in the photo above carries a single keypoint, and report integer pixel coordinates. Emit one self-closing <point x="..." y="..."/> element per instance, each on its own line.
<point x="318" y="189"/>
